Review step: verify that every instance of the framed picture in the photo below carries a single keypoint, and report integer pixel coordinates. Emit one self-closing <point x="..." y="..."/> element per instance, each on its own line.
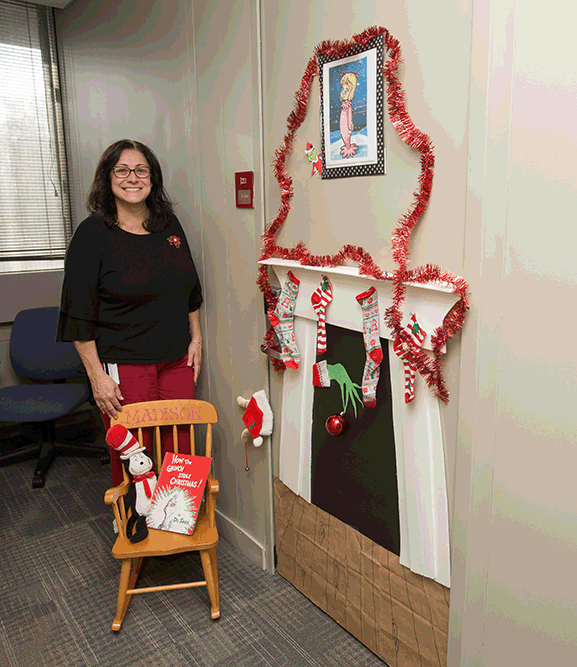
<point x="352" y="111"/>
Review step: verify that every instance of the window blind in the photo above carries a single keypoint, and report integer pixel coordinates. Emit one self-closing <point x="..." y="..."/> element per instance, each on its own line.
<point x="35" y="214"/>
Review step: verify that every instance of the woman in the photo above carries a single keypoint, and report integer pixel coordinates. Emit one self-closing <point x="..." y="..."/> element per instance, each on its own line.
<point x="348" y="86"/>
<point x="131" y="294"/>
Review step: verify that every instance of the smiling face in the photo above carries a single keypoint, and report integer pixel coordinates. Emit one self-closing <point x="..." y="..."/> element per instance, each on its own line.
<point x="348" y="86"/>
<point x="130" y="190"/>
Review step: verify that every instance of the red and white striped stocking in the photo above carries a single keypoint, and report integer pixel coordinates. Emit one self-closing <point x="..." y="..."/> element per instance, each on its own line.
<point x="407" y="344"/>
<point x="320" y="298"/>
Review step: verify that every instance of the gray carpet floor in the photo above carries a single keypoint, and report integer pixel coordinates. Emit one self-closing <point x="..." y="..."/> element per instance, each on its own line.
<point x="59" y="584"/>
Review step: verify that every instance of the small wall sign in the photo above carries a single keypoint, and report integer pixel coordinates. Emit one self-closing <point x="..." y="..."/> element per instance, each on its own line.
<point x="244" y="189"/>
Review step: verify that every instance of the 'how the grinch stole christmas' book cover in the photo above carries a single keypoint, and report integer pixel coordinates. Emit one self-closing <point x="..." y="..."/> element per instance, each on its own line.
<point x="178" y="494"/>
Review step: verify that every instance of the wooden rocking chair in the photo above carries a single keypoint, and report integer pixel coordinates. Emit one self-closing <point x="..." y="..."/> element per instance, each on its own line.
<point x="153" y="415"/>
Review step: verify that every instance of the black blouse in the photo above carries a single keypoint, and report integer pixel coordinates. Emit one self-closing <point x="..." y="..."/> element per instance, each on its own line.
<point x="131" y="293"/>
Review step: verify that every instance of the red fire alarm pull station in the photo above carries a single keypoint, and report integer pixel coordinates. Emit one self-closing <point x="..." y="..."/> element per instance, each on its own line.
<point x="244" y="189"/>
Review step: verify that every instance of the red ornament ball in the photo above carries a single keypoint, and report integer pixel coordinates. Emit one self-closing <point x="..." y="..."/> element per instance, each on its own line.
<point x="336" y="424"/>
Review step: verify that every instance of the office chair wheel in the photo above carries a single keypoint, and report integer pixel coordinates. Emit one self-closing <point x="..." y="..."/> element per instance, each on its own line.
<point x="38" y="481"/>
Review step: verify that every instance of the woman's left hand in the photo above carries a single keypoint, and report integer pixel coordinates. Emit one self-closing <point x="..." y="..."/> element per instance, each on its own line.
<point x="195" y="358"/>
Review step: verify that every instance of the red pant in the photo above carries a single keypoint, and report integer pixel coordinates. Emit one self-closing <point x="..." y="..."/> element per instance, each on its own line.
<point x="153" y="382"/>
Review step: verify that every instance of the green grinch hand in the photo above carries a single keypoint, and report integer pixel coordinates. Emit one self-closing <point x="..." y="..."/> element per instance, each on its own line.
<point x="349" y="388"/>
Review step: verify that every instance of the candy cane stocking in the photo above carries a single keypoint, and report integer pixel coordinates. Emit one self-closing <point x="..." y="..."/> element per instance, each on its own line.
<point x="320" y="298"/>
<point x="407" y="344"/>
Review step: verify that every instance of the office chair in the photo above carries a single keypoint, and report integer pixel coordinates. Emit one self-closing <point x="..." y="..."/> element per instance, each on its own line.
<point x="35" y="355"/>
<point x="152" y="415"/>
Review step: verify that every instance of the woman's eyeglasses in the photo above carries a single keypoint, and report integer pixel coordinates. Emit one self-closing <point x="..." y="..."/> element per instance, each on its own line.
<point x="124" y="172"/>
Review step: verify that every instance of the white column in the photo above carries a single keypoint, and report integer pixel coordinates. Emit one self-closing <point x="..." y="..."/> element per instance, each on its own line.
<point x="422" y="484"/>
<point x="297" y="414"/>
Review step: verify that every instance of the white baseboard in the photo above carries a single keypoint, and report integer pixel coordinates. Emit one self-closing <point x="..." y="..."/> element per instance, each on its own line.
<point x="239" y="538"/>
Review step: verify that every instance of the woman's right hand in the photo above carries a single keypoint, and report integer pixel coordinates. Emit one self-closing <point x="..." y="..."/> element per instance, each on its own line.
<point x="107" y="395"/>
<point x="105" y="390"/>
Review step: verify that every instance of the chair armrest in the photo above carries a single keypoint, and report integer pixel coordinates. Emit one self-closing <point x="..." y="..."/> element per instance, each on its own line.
<point x="212" y="485"/>
<point x="112" y="495"/>
<point x="212" y="489"/>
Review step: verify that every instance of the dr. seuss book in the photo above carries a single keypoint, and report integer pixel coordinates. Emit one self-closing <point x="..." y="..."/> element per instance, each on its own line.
<point x="178" y="494"/>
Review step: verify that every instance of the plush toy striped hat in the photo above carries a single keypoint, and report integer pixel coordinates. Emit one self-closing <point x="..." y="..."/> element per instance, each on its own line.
<point x="121" y="439"/>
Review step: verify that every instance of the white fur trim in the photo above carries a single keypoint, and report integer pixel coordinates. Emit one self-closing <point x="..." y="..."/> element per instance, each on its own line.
<point x="267" y="418"/>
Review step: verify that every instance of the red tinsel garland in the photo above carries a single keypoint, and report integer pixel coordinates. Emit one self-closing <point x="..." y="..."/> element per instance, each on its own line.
<point x="429" y="368"/>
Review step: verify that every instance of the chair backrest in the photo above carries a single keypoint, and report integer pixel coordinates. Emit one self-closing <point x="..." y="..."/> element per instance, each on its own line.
<point x="176" y="412"/>
<point x="34" y="352"/>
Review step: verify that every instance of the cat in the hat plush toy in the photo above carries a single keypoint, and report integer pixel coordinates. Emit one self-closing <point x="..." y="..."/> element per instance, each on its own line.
<point x="140" y="468"/>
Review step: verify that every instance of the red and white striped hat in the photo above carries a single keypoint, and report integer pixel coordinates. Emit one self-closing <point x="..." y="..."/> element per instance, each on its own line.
<point x="258" y="417"/>
<point x="121" y="439"/>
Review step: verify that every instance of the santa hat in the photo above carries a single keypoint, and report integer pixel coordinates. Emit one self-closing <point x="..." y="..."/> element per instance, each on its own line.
<point x="121" y="439"/>
<point x="309" y="148"/>
<point x="258" y="417"/>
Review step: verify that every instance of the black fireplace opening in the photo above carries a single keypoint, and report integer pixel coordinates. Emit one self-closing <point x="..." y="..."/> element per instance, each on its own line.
<point x="354" y="475"/>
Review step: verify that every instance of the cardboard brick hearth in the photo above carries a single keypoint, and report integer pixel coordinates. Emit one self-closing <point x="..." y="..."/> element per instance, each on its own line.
<point x="401" y="616"/>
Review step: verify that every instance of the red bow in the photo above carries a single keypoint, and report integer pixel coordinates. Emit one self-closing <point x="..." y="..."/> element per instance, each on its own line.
<point x="144" y="480"/>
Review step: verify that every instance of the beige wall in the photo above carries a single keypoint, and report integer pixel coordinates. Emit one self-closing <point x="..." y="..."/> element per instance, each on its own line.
<point x="513" y="597"/>
<point x="133" y="73"/>
<point x="435" y="76"/>
<point x="229" y="135"/>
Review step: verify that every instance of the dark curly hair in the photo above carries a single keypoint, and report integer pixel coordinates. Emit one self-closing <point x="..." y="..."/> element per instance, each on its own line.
<point x="101" y="201"/>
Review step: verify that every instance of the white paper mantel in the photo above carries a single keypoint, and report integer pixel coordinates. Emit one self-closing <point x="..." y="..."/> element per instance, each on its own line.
<point x="423" y="507"/>
<point x="431" y="302"/>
